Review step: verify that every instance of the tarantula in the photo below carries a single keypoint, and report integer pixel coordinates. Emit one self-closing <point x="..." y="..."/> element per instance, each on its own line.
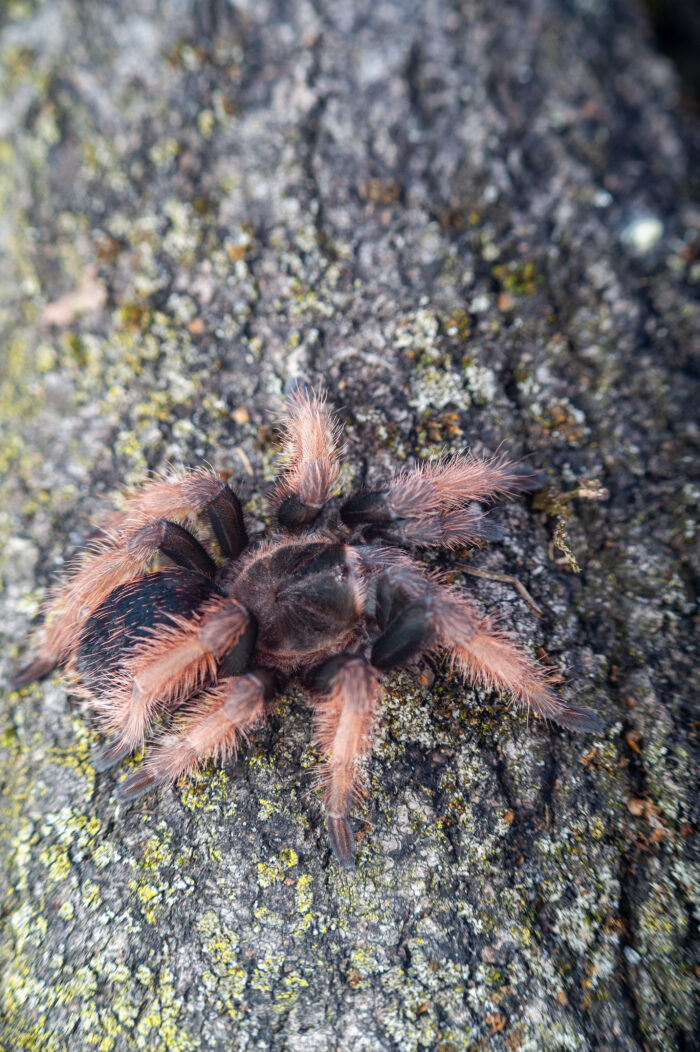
<point x="332" y="599"/>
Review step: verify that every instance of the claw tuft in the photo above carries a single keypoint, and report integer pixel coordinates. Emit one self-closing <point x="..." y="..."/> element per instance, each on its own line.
<point x="135" y="785"/>
<point x="37" y="669"/>
<point x="111" y="754"/>
<point x="342" y="840"/>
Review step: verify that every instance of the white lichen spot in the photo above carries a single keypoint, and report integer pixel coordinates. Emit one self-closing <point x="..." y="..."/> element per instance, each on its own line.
<point x="481" y="383"/>
<point x="642" y="233"/>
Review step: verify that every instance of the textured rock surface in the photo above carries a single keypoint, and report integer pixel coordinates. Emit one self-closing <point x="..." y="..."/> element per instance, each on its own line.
<point x="469" y="221"/>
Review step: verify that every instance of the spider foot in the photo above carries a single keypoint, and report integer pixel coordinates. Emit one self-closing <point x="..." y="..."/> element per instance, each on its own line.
<point x="39" y="668"/>
<point x="111" y="754"/>
<point x="524" y="479"/>
<point x="576" y="718"/>
<point x="138" y="784"/>
<point x="342" y="840"/>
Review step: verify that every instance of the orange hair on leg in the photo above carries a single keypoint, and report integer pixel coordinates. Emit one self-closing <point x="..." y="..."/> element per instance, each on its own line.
<point x="174" y="661"/>
<point x="213" y="726"/>
<point x="176" y="495"/>
<point x="450" y="482"/>
<point x="344" y="716"/>
<point x="488" y="655"/>
<point x="310" y="451"/>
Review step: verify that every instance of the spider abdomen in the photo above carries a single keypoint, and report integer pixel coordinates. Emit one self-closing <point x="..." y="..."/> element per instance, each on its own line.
<point x="129" y="613"/>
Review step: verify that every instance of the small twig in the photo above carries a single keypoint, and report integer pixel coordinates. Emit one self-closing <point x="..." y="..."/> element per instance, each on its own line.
<point x="559" y="505"/>
<point x="246" y="462"/>
<point x="506" y="578"/>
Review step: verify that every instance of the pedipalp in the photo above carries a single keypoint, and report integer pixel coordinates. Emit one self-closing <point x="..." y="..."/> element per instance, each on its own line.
<point x="310" y="459"/>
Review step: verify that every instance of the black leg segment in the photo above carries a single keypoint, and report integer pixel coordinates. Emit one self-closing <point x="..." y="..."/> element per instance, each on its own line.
<point x="184" y="549"/>
<point x="293" y="513"/>
<point x="525" y="479"/>
<point x="390" y="600"/>
<point x="367" y="508"/>
<point x="408" y="634"/>
<point x="37" y="669"/>
<point x="225" y="516"/>
<point x="111" y="754"/>
<point x="236" y="660"/>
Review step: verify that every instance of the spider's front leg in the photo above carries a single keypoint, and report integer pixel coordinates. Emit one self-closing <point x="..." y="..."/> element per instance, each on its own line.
<point x="310" y="457"/>
<point x="345" y="699"/>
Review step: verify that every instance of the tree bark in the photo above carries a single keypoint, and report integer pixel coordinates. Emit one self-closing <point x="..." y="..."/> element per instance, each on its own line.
<point x="471" y="224"/>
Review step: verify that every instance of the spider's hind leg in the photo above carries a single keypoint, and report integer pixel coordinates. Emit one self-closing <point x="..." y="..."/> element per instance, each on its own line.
<point x="152" y="644"/>
<point x="345" y="701"/>
<point x="110" y="563"/>
<point x="420" y="615"/>
<point x="213" y="726"/>
<point x="485" y="654"/>
<point x="130" y="541"/>
<point x="488" y="655"/>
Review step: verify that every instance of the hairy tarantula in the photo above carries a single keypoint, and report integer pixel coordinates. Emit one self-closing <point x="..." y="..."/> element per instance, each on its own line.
<point x="332" y="599"/>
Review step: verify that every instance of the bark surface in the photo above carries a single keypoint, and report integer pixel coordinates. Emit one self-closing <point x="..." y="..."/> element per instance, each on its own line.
<point x="471" y="223"/>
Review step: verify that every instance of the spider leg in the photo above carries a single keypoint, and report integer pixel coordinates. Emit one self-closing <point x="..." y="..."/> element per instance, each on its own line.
<point x="489" y="656"/>
<point x="409" y="633"/>
<point x="130" y="542"/>
<point x="345" y="699"/>
<point x="189" y="496"/>
<point x="170" y="664"/>
<point x="96" y="575"/>
<point x="212" y="727"/>
<point x="429" y="505"/>
<point x="442" y="618"/>
<point x="396" y="581"/>
<point x="310" y="457"/>
<point x="180" y="546"/>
